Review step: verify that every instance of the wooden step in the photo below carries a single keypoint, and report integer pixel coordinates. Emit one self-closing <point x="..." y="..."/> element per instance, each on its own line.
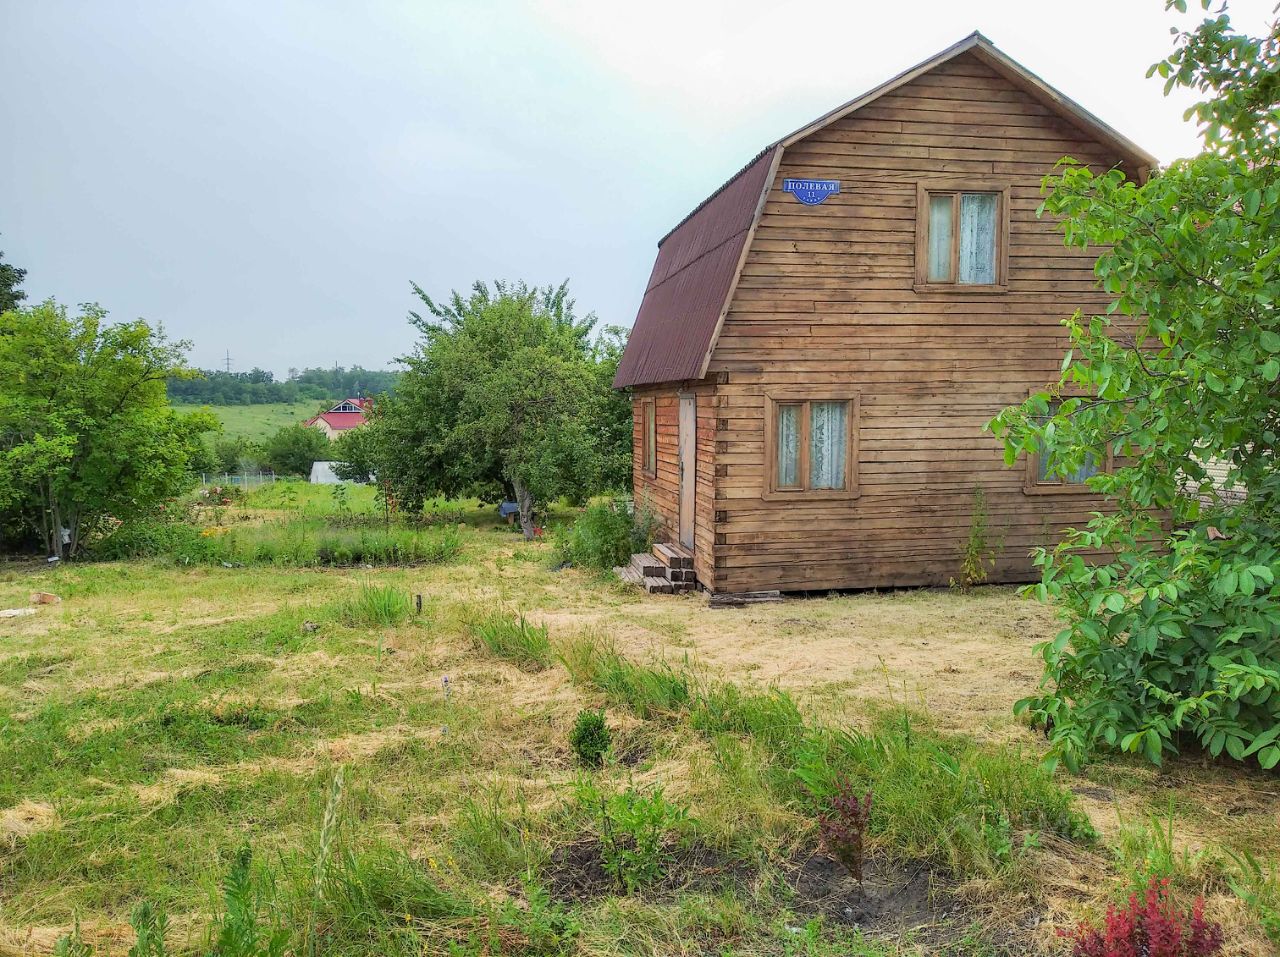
<point x="673" y="556"/>
<point x="738" y="599"/>
<point x="647" y="566"/>
<point x="657" y="586"/>
<point x="629" y="575"/>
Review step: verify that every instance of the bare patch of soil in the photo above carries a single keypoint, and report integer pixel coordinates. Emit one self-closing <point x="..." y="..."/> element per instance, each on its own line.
<point x="576" y="872"/>
<point x="893" y="900"/>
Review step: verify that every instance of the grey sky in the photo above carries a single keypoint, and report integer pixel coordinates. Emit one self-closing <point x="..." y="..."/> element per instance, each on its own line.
<point x="267" y="177"/>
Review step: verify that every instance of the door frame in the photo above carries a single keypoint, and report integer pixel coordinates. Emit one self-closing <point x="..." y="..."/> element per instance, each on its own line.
<point x="687" y="443"/>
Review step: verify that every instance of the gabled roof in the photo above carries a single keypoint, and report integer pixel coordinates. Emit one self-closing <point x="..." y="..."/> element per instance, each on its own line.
<point x="338" y="421"/>
<point x="693" y="277"/>
<point x="341" y="421"/>
<point x="699" y="261"/>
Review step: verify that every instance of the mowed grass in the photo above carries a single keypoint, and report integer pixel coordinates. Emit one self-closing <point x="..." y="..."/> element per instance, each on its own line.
<point x="162" y="718"/>
<point x="257" y="422"/>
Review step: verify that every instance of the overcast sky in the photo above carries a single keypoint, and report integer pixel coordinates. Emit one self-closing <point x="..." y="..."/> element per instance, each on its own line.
<point x="268" y="177"/>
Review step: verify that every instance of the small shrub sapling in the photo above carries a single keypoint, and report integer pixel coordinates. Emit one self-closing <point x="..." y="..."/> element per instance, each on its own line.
<point x="590" y="738"/>
<point x="844" y="827"/>
<point x="1150" y="925"/>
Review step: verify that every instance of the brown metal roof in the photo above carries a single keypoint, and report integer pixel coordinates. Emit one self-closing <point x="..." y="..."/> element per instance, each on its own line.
<point x="697" y="265"/>
<point x="699" y="261"/>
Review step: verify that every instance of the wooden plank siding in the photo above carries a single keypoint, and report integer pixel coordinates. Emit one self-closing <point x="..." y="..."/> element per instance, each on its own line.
<point x="661" y="492"/>
<point x="826" y="297"/>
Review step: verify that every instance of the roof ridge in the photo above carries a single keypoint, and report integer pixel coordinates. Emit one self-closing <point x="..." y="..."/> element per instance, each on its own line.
<point x="720" y="189"/>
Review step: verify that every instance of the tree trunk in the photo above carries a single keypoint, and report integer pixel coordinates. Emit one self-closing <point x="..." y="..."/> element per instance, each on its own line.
<point x="525" y="502"/>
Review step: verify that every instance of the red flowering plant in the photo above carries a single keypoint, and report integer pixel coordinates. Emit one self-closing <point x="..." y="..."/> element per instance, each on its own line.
<point x="1149" y="926"/>
<point x="844" y="826"/>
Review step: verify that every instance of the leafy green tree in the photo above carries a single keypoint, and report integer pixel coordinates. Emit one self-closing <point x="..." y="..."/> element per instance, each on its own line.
<point x="10" y="280"/>
<point x="231" y="453"/>
<point x="86" y="431"/>
<point x="505" y="394"/>
<point x="1172" y="600"/>
<point x="615" y="420"/>
<point x="293" y="449"/>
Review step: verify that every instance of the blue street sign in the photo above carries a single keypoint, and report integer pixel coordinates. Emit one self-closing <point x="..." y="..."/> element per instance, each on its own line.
<point x="811" y="191"/>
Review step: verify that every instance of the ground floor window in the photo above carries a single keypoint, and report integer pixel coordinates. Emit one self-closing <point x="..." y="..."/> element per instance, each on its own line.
<point x="811" y="446"/>
<point x="1044" y="474"/>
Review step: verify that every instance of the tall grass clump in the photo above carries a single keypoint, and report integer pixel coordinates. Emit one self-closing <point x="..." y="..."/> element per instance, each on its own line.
<point x="515" y="640"/>
<point x="650" y="691"/>
<point x="376" y="605"/>
<point x="942" y="799"/>
<point x="771" y="717"/>
<point x="605" y="535"/>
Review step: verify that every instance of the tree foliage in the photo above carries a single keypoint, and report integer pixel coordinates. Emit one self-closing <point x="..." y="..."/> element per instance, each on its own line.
<point x="292" y="449"/>
<point x="1171" y="601"/>
<point x="506" y="393"/>
<point x="10" y="282"/>
<point x="86" y="432"/>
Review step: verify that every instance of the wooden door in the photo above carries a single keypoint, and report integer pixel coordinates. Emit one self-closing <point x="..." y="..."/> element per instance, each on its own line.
<point x="688" y="466"/>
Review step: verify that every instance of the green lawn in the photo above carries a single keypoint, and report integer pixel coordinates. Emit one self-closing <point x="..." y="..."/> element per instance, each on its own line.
<point x="256" y="422"/>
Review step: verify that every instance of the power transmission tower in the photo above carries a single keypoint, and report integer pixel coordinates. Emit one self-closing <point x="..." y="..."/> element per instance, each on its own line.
<point x="228" y="360"/>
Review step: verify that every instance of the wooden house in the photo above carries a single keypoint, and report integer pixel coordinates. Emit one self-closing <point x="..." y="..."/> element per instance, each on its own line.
<point x="823" y="339"/>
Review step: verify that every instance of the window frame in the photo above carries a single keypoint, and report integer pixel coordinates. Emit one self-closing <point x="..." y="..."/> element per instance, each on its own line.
<point x="924" y="190"/>
<point x="1032" y="484"/>
<point x="770" y="490"/>
<point x="649" y="437"/>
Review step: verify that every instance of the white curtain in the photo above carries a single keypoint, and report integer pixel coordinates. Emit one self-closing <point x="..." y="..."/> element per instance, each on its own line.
<point x="788" y="446"/>
<point x="940" y="238"/>
<point x="1088" y="468"/>
<point x="978" y="238"/>
<point x="828" y="438"/>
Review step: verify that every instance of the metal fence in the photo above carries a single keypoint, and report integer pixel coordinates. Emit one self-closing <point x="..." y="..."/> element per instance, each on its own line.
<point x="242" y="479"/>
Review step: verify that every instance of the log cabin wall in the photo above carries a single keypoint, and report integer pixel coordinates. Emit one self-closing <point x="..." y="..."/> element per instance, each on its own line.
<point x="660" y="492"/>
<point x="828" y="298"/>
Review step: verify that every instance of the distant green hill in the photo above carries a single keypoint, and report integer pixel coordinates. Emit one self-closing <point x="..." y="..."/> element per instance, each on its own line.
<point x="256" y="422"/>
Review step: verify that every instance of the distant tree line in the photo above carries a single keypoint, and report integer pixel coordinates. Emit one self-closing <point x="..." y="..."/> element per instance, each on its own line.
<point x="258" y="386"/>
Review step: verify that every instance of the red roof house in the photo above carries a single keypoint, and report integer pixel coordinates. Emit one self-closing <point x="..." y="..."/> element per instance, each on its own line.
<point x="347" y="414"/>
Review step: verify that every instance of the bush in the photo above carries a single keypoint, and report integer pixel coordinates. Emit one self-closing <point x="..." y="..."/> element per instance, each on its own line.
<point x="635" y="832"/>
<point x="604" y="536"/>
<point x="1152" y="927"/>
<point x="156" y="537"/>
<point x="293" y="449"/>
<point x="590" y="738"/>
<point x="515" y="640"/>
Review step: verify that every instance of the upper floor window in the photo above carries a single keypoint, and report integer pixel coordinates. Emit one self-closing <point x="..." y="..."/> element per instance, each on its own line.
<point x="961" y="238"/>
<point x="348" y="407"/>
<point x="811" y="446"/>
